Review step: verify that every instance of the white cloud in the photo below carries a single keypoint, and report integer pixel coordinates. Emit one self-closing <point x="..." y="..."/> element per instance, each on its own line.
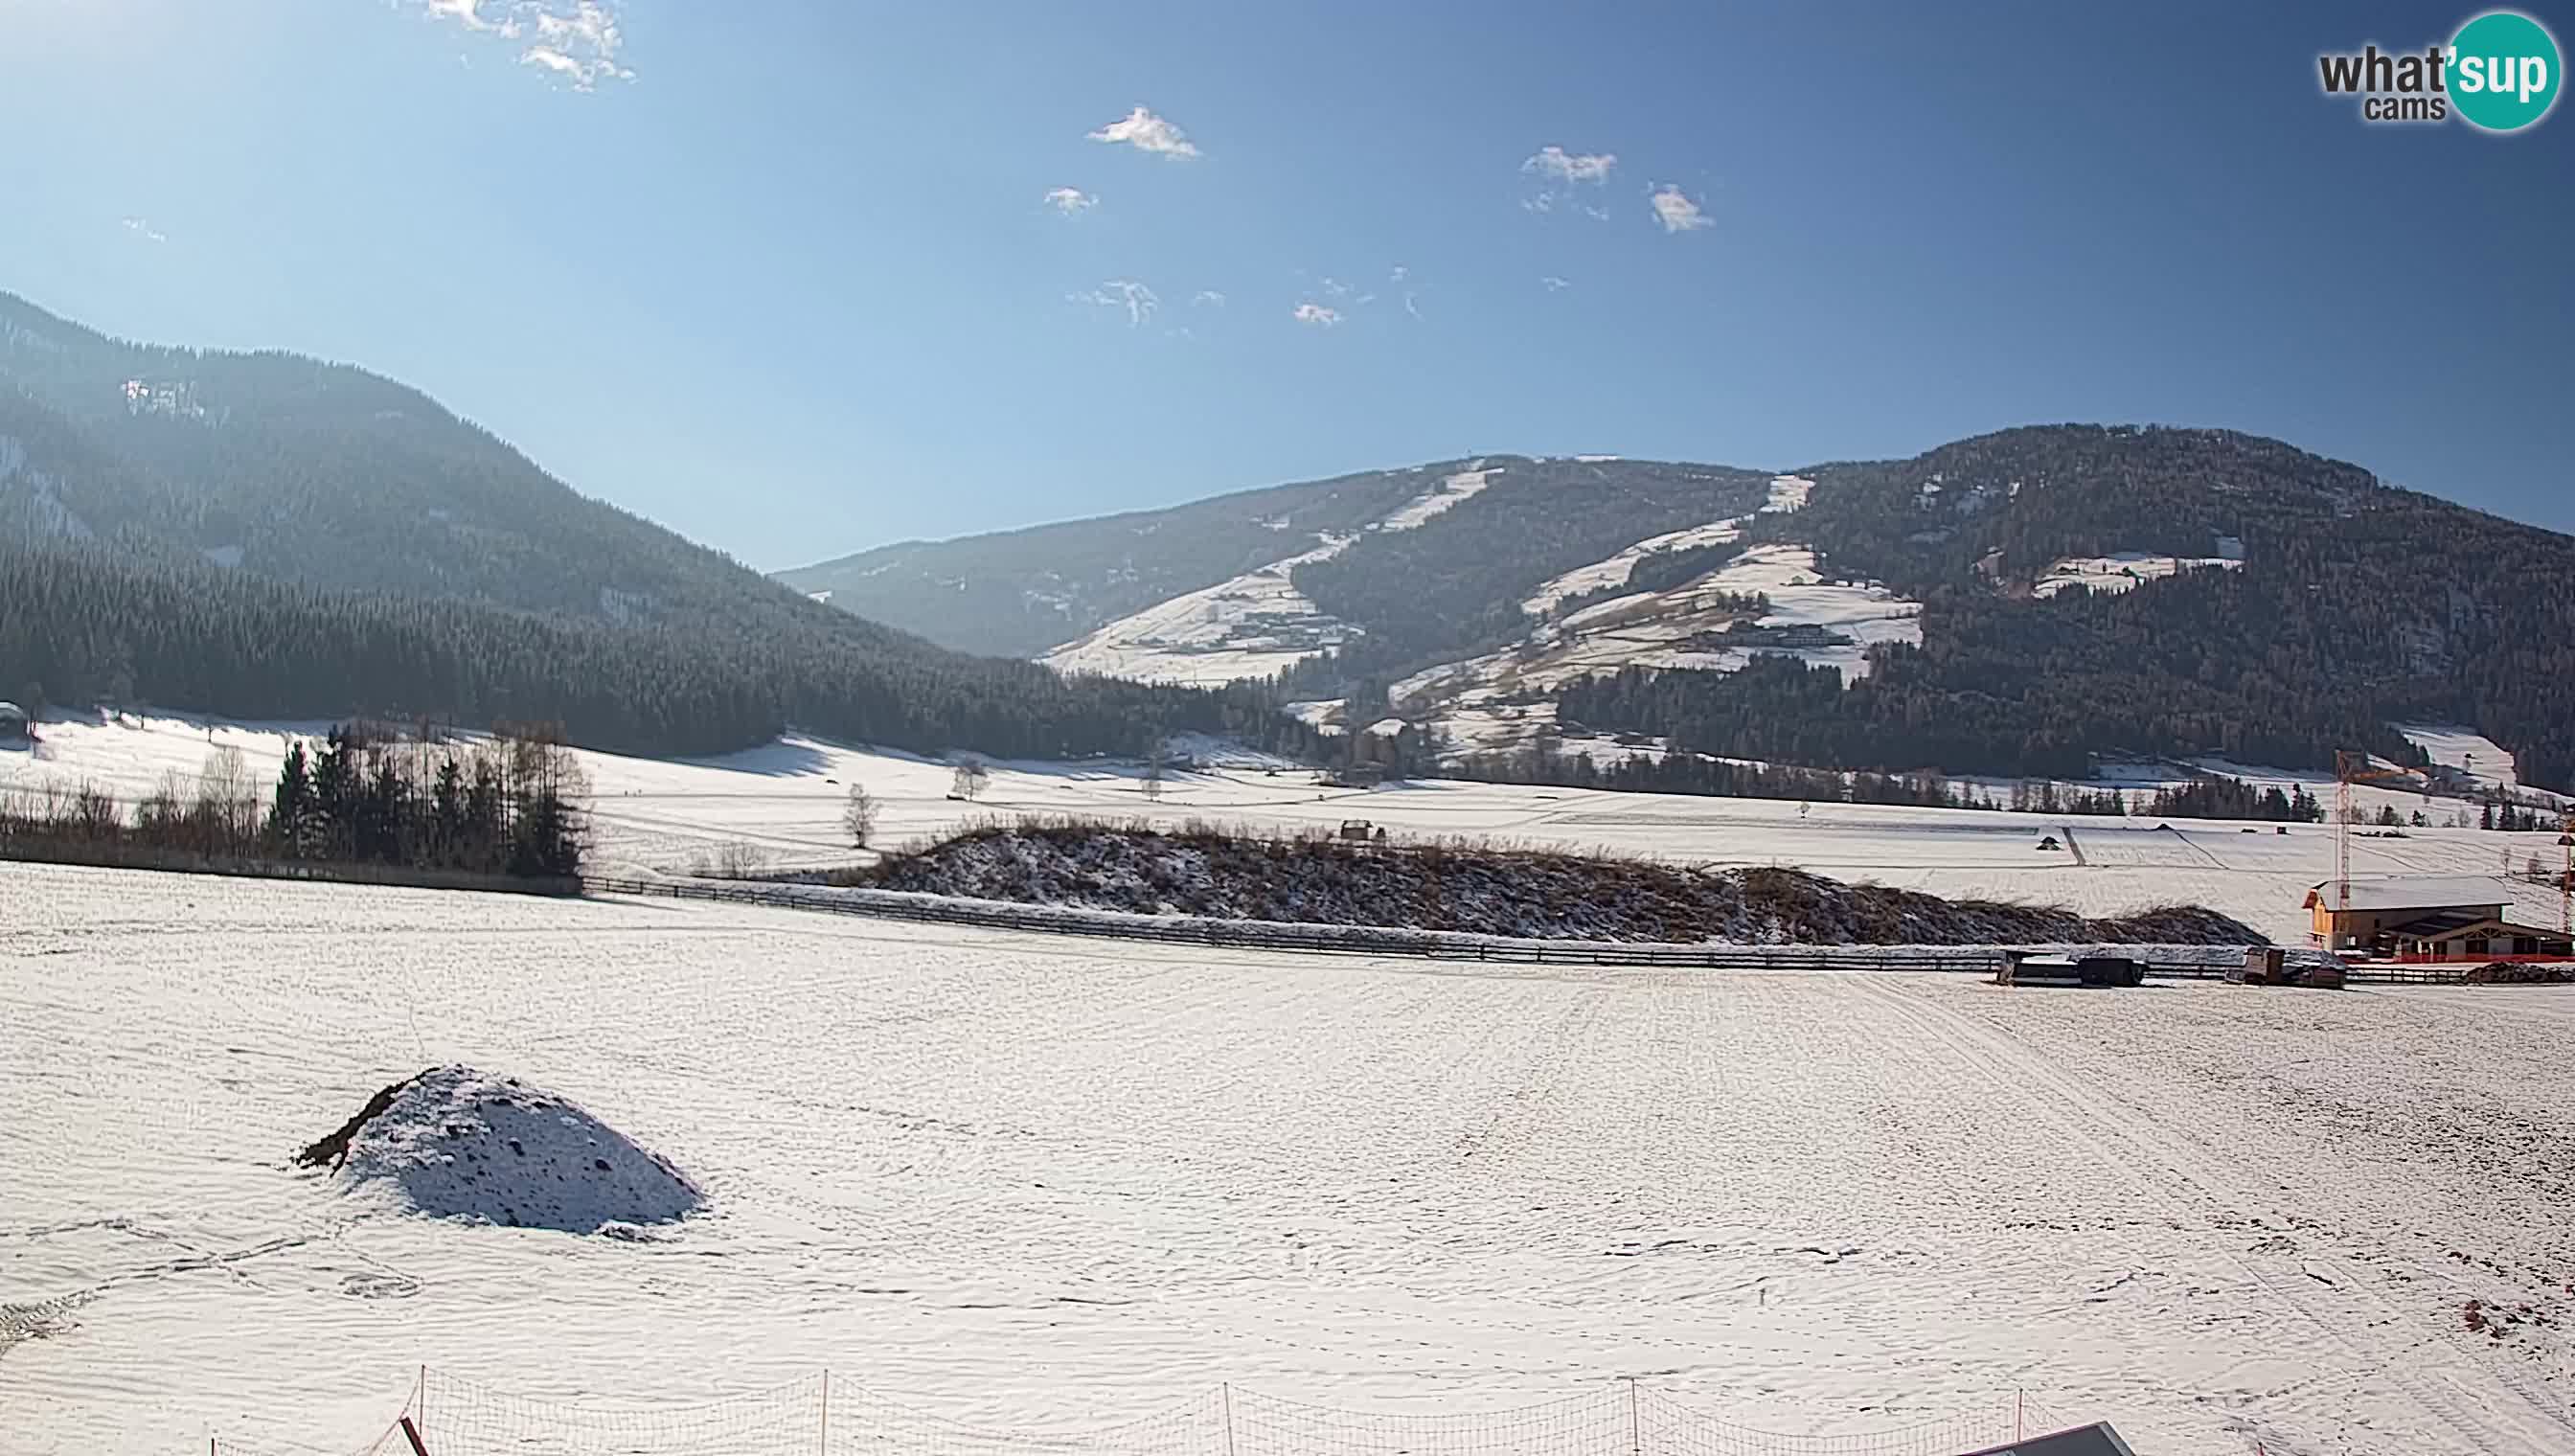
<point x="1145" y="132"/>
<point x="1335" y="287"/>
<point x="1072" y="202"/>
<point x="577" y="40"/>
<point x="1676" y="212"/>
<point x="1554" y="284"/>
<point x="1208" y="298"/>
<point x="1562" y="175"/>
<point x="1409" y="305"/>
<point x="469" y="13"/>
<point x="1564" y="166"/>
<point x="144" y="230"/>
<point x="1121" y="293"/>
<point x="1317" y="314"/>
<point x="1401" y="273"/>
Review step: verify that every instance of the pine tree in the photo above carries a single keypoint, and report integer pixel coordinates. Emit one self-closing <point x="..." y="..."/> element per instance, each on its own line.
<point x="290" y="811"/>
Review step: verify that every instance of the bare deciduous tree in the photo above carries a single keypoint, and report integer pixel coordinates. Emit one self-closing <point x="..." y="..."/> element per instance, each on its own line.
<point x="859" y="816"/>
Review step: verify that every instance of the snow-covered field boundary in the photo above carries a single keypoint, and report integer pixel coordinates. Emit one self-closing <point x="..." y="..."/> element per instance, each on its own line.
<point x="1621" y="1417"/>
<point x="2184" y="960"/>
<point x="116" y="854"/>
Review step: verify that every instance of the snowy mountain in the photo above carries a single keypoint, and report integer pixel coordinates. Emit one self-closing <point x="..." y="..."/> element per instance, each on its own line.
<point x="322" y="474"/>
<point x="2028" y="601"/>
<point x="266" y="534"/>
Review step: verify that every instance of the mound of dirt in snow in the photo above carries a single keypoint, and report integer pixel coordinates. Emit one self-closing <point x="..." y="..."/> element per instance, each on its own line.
<point x="1448" y="885"/>
<point x="2519" y="974"/>
<point x="456" y="1143"/>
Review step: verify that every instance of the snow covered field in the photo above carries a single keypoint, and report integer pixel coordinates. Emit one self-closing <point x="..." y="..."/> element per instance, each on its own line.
<point x="1026" y="1183"/>
<point x="780" y="806"/>
<point x="2128" y="570"/>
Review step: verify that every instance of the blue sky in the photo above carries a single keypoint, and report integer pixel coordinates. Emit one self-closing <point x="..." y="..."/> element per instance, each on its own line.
<point x="786" y="277"/>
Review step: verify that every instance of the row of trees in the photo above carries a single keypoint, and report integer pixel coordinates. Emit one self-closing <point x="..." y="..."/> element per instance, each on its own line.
<point x="1546" y="760"/>
<point x="511" y="804"/>
<point x="505" y="806"/>
<point x="2234" y="799"/>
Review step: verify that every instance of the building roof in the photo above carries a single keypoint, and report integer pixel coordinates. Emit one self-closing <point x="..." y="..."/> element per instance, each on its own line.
<point x="2414" y="892"/>
<point x="2447" y="922"/>
<point x="2450" y="923"/>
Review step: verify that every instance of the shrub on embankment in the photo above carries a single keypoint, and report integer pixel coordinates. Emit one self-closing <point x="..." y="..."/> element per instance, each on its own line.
<point x="1496" y="889"/>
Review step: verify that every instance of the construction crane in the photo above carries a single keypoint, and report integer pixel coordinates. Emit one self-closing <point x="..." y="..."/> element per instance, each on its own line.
<point x="2351" y="766"/>
<point x="2566" y="881"/>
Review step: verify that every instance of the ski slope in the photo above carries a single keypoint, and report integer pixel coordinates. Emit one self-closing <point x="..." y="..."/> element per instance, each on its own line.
<point x="1788" y="494"/>
<point x="779" y="806"/>
<point x="1498" y="700"/>
<point x="1250" y="626"/>
<point x="1027" y="1183"/>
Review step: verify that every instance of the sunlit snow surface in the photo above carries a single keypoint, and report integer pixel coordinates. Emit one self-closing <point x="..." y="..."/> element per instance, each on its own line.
<point x="780" y="807"/>
<point x="2128" y="570"/>
<point x="1034" y="1183"/>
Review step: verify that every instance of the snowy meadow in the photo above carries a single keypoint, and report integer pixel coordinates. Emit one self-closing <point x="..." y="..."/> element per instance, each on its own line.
<point x="1023" y="1183"/>
<point x="779" y="807"/>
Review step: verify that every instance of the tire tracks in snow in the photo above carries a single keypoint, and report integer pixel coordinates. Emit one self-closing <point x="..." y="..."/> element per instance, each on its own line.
<point x="2163" y="1166"/>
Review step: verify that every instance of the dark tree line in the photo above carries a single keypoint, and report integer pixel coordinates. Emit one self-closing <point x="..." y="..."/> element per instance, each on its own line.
<point x="87" y="625"/>
<point x="512" y="804"/>
<point x="1546" y="760"/>
<point x="2234" y="799"/>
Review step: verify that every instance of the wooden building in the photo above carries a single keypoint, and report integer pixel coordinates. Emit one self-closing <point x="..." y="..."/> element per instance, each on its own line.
<point x="2426" y="918"/>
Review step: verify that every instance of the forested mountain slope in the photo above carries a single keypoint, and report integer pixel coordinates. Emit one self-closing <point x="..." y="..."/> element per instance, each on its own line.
<point x="1020" y="593"/>
<point x="1419" y="561"/>
<point x="2025" y="602"/>
<point x="268" y="535"/>
<point x="326" y="475"/>
<point x="2307" y="606"/>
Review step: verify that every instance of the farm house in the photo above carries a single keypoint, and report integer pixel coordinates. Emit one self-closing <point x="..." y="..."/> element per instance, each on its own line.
<point x="2425" y="918"/>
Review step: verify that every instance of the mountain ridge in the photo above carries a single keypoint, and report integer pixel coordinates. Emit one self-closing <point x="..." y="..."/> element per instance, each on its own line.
<point x="305" y="528"/>
<point x="1982" y="607"/>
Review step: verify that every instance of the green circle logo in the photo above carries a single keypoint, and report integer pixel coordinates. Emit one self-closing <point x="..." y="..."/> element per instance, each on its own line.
<point x="2504" y="71"/>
